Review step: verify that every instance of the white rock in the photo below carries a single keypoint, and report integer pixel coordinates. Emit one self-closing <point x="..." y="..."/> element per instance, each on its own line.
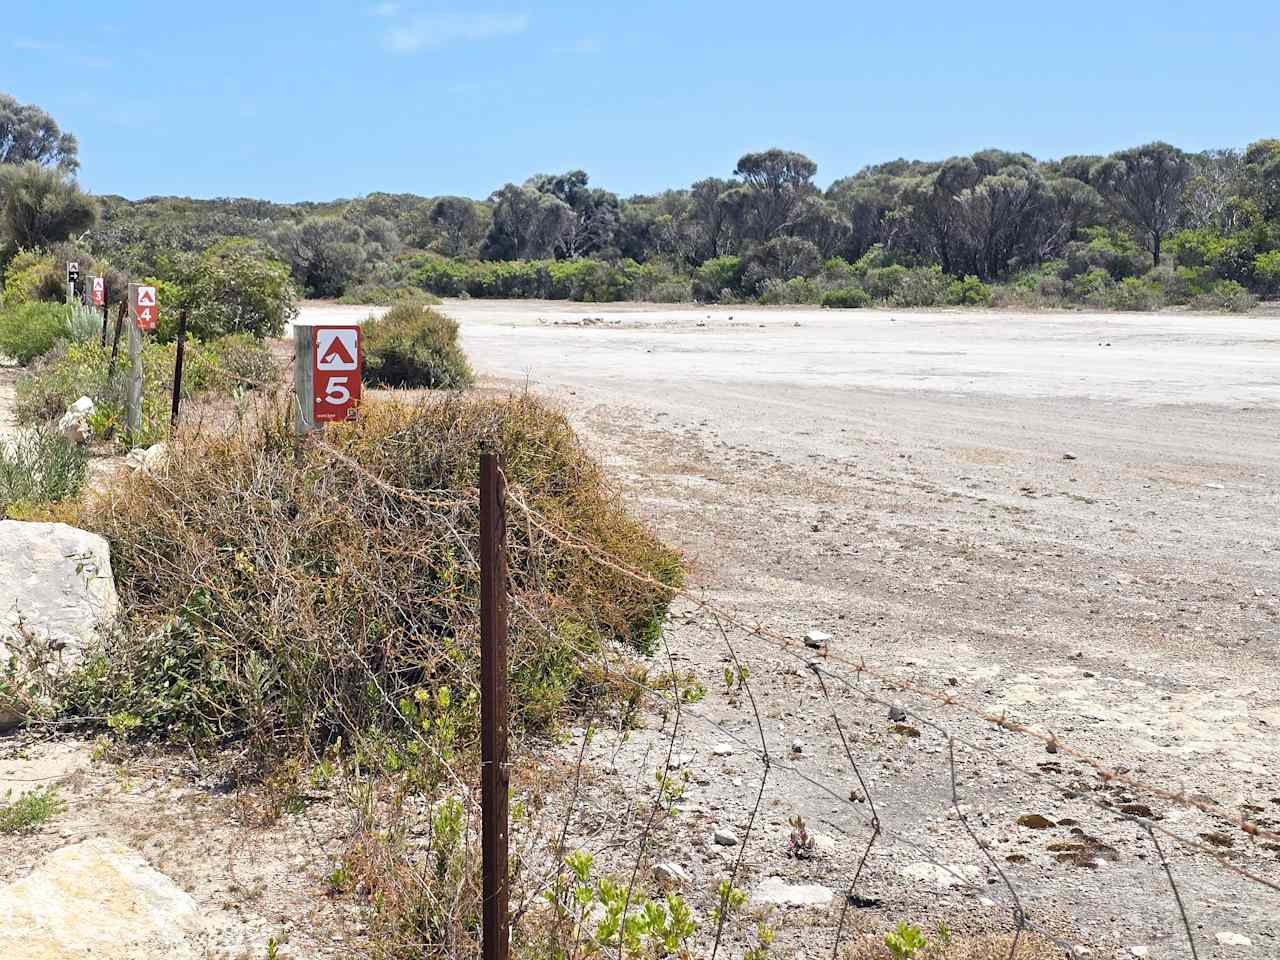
<point x="816" y="639"/>
<point x="941" y="877"/>
<point x="150" y="460"/>
<point x="726" y="838"/>
<point x="1140" y="951"/>
<point x="1229" y="939"/>
<point x="776" y="892"/>
<point x="671" y="872"/>
<point x="99" y="899"/>
<point x="797" y="746"/>
<point x="74" y="424"/>
<point x="722" y="750"/>
<point x="56" y="592"/>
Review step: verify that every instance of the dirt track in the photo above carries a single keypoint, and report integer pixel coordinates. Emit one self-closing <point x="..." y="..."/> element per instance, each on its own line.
<point x="901" y="482"/>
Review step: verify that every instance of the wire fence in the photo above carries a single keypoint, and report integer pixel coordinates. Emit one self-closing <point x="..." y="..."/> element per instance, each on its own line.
<point x="877" y="817"/>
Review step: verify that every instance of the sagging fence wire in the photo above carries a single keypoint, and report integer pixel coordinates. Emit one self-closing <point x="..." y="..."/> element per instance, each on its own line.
<point x="1051" y="741"/>
<point x="454" y="500"/>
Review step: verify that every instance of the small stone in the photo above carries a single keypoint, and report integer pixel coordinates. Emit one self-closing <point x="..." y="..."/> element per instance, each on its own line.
<point x="941" y="876"/>
<point x="672" y="873"/>
<point x="776" y="892"/>
<point x="725" y="838"/>
<point x="797" y="746"/>
<point x="816" y="639"/>
<point x="1140" y="951"/>
<point x="897" y="713"/>
<point x="1068" y="455"/>
<point x="722" y="750"/>
<point x="1229" y="939"/>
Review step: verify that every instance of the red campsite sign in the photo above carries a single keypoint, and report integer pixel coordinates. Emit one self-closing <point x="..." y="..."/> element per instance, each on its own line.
<point x="336" y="374"/>
<point x="99" y="291"/>
<point x="145" y="308"/>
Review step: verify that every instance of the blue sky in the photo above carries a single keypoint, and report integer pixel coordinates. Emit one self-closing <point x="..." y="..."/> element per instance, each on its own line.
<point x="321" y="100"/>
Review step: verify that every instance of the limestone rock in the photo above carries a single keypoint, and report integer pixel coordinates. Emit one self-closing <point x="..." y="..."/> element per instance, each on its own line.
<point x="672" y="873"/>
<point x="725" y="838"/>
<point x="98" y="900"/>
<point x="74" y="424"/>
<point x="1229" y="939"/>
<point x="941" y="877"/>
<point x="56" y="594"/>
<point x="774" y="891"/>
<point x="150" y="460"/>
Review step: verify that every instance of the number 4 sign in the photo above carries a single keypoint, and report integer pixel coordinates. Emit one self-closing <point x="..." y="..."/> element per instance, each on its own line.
<point x="144" y="305"/>
<point x="336" y="373"/>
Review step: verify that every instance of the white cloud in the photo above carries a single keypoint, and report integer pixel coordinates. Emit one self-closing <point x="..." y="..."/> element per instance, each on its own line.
<point x="25" y="43"/>
<point x="385" y="10"/>
<point x="438" y="30"/>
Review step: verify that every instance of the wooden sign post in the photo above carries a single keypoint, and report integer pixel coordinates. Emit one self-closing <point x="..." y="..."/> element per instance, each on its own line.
<point x="326" y="374"/>
<point x="143" y="307"/>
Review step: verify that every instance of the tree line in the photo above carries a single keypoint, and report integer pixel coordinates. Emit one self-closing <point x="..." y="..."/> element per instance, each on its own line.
<point x="1168" y="219"/>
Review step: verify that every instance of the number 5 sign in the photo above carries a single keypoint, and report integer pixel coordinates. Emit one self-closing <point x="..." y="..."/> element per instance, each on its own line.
<point x="336" y="374"/>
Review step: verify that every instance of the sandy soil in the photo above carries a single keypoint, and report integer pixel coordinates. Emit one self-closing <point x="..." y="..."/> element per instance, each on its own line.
<point x="900" y="480"/>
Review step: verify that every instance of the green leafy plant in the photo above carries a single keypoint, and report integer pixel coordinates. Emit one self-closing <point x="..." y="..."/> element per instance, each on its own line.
<point x="905" y="941"/>
<point x="30" y="810"/>
<point x="846" y="298"/>
<point x="39" y="466"/>
<point x="30" y="330"/>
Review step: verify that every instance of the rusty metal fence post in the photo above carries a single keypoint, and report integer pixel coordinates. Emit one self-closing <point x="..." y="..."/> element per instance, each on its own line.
<point x="177" y="370"/>
<point x="494" y="773"/>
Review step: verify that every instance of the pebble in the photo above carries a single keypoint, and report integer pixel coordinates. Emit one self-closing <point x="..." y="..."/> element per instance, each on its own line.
<point x="1068" y="455"/>
<point x="797" y="746"/>
<point x="722" y="750"/>
<point x="1140" y="951"/>
<point x="816" y="639"/>
<point x="897" y="713"/>
<point x="1229" y="939"/>
<point x="671" y="872"/>
<point x="774" y="891"/>
<point x="726" y="838"/>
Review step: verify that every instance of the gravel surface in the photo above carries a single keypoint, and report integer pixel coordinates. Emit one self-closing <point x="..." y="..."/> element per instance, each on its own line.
<point x="1066" y="518"/>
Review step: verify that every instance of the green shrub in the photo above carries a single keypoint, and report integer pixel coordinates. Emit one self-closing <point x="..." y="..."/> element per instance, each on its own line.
<point x="378" y="295"/>
<point x="83" y="323"/>
<point x="1266" y="268"/>
<point x="413" y="346"/>
<point x="236" y="287"/>
<point x="239" y="361"/>
<point x="29" y="330"/>
<point x="846" y="298"/>
<point x="30" y="810"/>
<point x="716" y="275"/>
<point x="39" y="466"/>
<point x="288" y="594"/>
<point x="24" y="275"/>
<point x="793" y="291"/>
<point x="969" y="291"/>
<point x="1090" y="287"/>
<point x="921" y="287"/>
<point x="1135" y="294"/>
<point x="1114" y="252"/>
<point x="883" y="282"/>
<point x="1226" y="296"/>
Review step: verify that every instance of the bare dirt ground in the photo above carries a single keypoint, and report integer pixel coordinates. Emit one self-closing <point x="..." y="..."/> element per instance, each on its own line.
<point x="898" y="480"/>
<point x="901" y="481"/>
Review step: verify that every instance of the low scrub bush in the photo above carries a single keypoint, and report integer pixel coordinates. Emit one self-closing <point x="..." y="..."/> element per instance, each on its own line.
<point x="969" y="291"/>
<point x="286" y="594"/>
<point x="921" y="287"/>
<point x="30" y="330"/>
<point x="1226" y="296"/>
<point x="38" y="467"/>
<point x="793" y="291"/>
<point x="414" y="346"/>
<point x="1135" y="294"/>
<point x="380" y="295"/>
<point x="846" y="298"/>
<point x="715" y="276"/>
<point x="74" y="370"/>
